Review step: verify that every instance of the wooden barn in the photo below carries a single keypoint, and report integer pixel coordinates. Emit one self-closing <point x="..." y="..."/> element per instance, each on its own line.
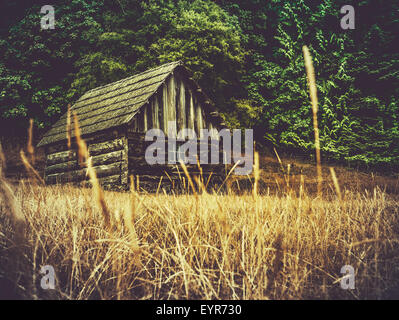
<point x="113" y="121"/>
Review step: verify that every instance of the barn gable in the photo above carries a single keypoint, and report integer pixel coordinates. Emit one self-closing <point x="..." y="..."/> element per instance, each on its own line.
<point x="117" y="103"/>
<point x="114" y="119"/>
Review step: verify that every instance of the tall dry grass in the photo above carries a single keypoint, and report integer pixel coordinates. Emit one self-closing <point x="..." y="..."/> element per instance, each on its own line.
<point x="203" y="246"/>
<point x="199" y="245"/>
<point x="313" y="98"/>
<point x="10" y="207"/>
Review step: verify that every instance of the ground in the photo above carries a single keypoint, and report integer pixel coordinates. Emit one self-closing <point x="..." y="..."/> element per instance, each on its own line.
<point x="284" y="242"/>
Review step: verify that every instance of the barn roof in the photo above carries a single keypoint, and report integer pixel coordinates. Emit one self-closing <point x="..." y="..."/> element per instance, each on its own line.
<point x="111" y="105"/>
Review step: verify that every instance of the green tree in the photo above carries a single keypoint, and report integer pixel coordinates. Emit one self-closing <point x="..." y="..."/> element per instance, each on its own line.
<point x="356" y="75"/>
<point x="38" y="65"/>
<point x="199" y="33"/>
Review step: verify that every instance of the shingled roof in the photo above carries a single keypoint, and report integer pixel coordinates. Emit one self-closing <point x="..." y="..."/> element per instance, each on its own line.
<point x="111" y="105"/>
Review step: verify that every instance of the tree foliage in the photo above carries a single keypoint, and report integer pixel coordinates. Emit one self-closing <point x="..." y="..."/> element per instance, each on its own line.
<point x="247" y="55"/>
<point x="356" y="74"/>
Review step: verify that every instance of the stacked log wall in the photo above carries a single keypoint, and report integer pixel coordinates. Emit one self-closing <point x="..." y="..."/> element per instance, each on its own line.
<point x="171" y="175"/>
<point x="109" y="152"/>
<point x="179" y="103"/>
<point x="118" y="153"/>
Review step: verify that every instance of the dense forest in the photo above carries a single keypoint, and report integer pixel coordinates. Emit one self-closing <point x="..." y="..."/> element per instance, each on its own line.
<point x="247" y="55"/>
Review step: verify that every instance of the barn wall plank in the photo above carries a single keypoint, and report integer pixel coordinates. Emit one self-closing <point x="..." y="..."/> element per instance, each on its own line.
<point x="71" y="176"/>
<point x="150" y="123"/>
<point x="125" y="163"/>
<point x="191" y="112"/>
<point x="96" y="138"/>
<point x="145" y="118"/>
<point x="94" y="149"/>
<point x="140" y="121"/>
<point x="134" y="126"/>
<point x="105" y="147"/>
<point x="60" y="157"/>
<point x="198" y="118"/>
<point x="107" y="158"/>
<point x="61" y="167"/>
<point x="171" y="101"/>
<point x="80" y="175"/>
<point x="155" y="112"/>
<point x="181" y="107"/>
<point x="203" y="117"/>
<point x="165" y="106"/>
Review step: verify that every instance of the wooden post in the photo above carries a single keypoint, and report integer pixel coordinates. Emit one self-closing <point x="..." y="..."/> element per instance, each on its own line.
<point x="181" y="107"/>
<point x="171" y="105"/>
<point x="145" y="118"/>
<point x="199" y="120"/>
<point x="191" y="118"/>
<point x="165" y="107"/>
<point x="155" y="111"/>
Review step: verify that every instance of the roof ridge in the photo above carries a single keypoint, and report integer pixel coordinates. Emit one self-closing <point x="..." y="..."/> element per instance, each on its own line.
<point x="178" y="62"/>
<point x="121" y="85"/>
<point x="117" y="103"/>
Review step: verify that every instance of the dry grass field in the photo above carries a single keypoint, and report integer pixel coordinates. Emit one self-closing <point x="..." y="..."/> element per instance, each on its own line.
<point x="198" y="246"/>
<point x="283" y="233"/>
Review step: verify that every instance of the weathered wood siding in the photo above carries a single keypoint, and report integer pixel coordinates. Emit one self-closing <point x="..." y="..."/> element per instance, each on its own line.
<point x="114" y="119"/>
<point x="167" y="176"/>
<point x="119" y="153"/>
<point x="176" y="102"/>
<point x="109" y="152"/>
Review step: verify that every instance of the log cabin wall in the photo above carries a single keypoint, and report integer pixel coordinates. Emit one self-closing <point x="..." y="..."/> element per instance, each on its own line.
<point x="109" y="158"/>
<point x="166" y="176"/>
<point x="114" y="118"/>
<point x="176" y="102"/>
